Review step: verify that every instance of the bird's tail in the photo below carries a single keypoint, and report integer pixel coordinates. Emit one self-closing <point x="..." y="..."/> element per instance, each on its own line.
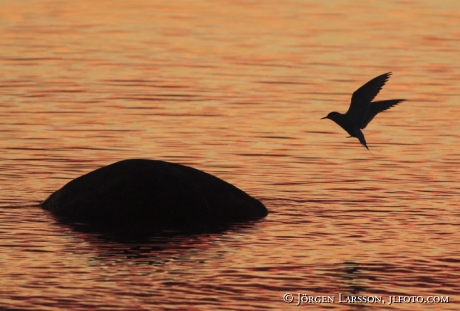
<point x="360" y="136"/>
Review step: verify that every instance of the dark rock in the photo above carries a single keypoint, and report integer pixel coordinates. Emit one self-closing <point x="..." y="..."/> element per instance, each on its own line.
<point x="148" y="193"/>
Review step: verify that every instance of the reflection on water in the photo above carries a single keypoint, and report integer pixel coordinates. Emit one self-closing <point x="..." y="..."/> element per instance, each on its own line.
<point x="236" y="89"/>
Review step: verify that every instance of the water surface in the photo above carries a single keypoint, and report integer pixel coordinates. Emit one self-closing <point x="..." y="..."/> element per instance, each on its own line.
<point x="237" y="89"/>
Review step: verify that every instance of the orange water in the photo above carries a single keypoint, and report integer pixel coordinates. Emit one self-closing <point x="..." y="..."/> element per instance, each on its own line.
<point x="237" y="89"/>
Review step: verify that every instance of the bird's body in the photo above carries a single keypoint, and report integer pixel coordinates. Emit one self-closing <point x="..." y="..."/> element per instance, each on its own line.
<point x="362" y="110"/>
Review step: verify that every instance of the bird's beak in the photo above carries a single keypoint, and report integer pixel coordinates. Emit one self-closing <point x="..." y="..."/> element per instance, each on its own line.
<point x="324" y="117"/>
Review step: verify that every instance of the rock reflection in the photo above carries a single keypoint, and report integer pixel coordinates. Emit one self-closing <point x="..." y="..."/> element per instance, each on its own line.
<point x="156" y="248"/>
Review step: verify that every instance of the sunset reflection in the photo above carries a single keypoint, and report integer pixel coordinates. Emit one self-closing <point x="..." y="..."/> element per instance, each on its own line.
<point x="236" y="89"/>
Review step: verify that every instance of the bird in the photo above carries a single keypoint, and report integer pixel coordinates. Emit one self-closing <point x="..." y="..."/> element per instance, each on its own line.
<point x="362" y="109"/>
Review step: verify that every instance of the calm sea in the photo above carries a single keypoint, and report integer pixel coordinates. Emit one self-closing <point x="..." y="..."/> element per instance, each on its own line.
<point x="237" y="89"/>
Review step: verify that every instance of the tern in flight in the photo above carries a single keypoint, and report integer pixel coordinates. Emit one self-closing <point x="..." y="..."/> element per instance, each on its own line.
<point x="362" y="109"/>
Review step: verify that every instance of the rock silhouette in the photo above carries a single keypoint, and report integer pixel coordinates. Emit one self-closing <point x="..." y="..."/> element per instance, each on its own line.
<point x="150" y="193"/>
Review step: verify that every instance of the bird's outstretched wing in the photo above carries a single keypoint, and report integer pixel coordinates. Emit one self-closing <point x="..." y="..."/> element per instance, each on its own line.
<point x="377" y="107"/>
<point x="363" y="96"/>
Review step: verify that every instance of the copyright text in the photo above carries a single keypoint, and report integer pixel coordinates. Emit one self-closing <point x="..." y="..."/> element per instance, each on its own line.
<point x="300" y="298"/>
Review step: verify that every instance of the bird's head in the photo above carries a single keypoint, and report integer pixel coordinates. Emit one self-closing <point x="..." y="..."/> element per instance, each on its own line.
<point x="331" y="115"/>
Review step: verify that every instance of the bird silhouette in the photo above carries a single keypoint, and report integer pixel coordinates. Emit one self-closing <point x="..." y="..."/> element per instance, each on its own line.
<point x="362" y="110"/>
